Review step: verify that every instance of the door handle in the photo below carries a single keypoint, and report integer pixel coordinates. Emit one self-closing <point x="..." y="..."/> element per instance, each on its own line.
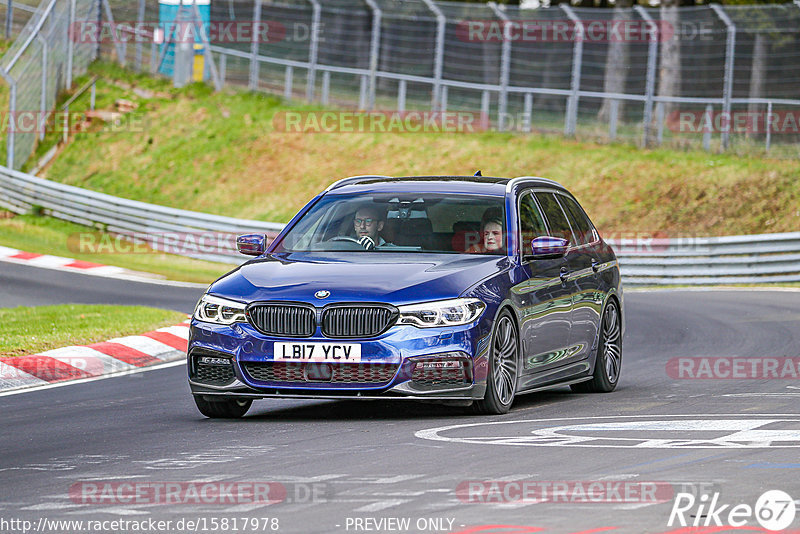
<point x="595" y="265"/>
<point x="563" y="274"/>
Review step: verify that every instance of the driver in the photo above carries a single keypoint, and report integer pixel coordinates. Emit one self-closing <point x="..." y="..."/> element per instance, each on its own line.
<point x="367" y="222"/>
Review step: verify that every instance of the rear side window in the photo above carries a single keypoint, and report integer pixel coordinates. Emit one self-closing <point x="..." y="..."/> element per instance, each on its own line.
<point x="557" y="221"/>
<point x="530" y="221"/>
<point x="581" y="225"/>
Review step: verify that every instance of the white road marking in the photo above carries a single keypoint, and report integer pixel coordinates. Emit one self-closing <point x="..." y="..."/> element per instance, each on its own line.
<point x="717" y="432"/>
<point x="381" y="505"/>
<point x="788" y="394"/>
<point x="53" y="506"/>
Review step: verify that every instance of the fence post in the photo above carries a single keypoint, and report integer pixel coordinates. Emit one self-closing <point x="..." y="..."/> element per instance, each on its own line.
<point x="505" y="68"/>
<point x="254" y="65"/>
<point x="727" y="88"/>
<point x="708" y="119"/>
<point x="769" y="120"/>
<point x="12" y="111"/>
<point x="571" y="120"/>
<point x="401" y="95"/>
<point x="43" y="96"/>
<point x="650" y="83"/>
<point x="287" y="84"/>
<point x="70" y="42"/>
<point x="375" y="45"/>
<point x="659" y="123"/>
<point x="362" y="92"/>
<point x="118" y="46"/>
<point x="612" y="122"/>
<point x="138" y="60"/>
<point x="528" y="112"/>
<point x="326" y="87"/>
<point x="153" y="57"/>
<point x="438" y="62"/>
<point x="9" y="18"/>
<point x="313" y="52"/>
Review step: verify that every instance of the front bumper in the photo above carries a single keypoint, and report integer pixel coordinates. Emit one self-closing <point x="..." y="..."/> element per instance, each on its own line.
<point x="396" y="353"/>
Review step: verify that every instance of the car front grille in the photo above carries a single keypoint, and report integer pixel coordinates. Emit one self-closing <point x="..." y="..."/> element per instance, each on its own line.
<point x="338" y="320"/>
<point x="351" y="321"/>
<point x="295" y="320"/>
<point x="341" y="373"/>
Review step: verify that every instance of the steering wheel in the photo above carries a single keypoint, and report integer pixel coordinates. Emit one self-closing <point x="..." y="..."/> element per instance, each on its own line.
<point x="345" y="238"/>
<point x="364" y="242"/>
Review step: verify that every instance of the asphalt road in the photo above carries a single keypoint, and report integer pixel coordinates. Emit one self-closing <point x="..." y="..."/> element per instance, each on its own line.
<point x="24" y="285"/>
<point x="350" y="466"/>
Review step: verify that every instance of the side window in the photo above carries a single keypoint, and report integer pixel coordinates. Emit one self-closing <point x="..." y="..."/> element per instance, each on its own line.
<point x="530" y="221"/>
<point x="578" y="219"/>
<point x="557" y="221"/>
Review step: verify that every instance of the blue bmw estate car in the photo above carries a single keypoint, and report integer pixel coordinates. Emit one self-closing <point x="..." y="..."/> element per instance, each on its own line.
<point x="460" y="290"/>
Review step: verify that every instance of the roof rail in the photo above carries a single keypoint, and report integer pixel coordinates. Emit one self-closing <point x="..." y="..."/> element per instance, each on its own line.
<point x="353" y="180"/>
<point x="514" y="181"/>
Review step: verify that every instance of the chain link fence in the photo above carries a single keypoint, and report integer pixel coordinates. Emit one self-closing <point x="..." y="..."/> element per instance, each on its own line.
<point x="39" y="64"/>
<point x="14" y="15"/>
<point x="712" y="76"/>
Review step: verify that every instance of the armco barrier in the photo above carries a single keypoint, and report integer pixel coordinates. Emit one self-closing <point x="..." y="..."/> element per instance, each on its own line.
<point x="744" y="259"/>
<point x="750" y="259"/>
<point x="20" y="192"/>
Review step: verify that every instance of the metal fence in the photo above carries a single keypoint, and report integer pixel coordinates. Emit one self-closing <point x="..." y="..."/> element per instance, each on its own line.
<point x="41" y="62"/>
<point x="712" y="76"/>
<point x="14" y="14"/>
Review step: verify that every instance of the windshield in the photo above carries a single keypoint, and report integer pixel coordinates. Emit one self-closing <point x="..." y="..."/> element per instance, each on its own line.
<point x="430" y="222"/>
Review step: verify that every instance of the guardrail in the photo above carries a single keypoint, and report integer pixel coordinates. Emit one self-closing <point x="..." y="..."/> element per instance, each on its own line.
<point x="161" y="227"/>
<point x="750" y="259"/>
<point x="745" y="259"/>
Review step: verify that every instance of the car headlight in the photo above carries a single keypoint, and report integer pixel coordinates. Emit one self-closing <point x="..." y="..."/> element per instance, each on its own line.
<point x="453" y="312"/>
<point x="220" y="311"/>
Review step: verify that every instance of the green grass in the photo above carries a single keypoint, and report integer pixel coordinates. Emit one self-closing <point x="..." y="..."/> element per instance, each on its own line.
<point x="45" y="235"/>
<point x="218" y="153"/>
<point x="29" y="330"/>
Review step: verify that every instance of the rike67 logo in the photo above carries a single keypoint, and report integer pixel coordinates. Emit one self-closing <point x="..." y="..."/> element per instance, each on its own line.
<point x="774" y="510"/>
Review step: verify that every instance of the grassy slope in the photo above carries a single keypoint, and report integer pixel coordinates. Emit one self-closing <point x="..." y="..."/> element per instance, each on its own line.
<point x="45" y="235"/>
<point x="32" y="330"/>
<point x="218" y="153"/>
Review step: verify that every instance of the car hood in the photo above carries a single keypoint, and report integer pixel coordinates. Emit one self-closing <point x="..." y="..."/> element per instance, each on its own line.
<point x="367" y="277"/>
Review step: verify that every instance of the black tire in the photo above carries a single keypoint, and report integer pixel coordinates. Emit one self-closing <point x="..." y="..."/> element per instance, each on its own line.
<point x="608" y="364"/>
<point x="501" y="378"/>
<point x="222" y="409"/>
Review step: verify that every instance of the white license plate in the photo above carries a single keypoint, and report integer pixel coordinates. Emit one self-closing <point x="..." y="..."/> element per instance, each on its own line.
<point x="317" y="352"/>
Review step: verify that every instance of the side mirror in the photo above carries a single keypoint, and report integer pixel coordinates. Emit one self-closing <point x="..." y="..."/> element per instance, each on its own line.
<point x="546" y="247"/>
<point x="251" y="244"/>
